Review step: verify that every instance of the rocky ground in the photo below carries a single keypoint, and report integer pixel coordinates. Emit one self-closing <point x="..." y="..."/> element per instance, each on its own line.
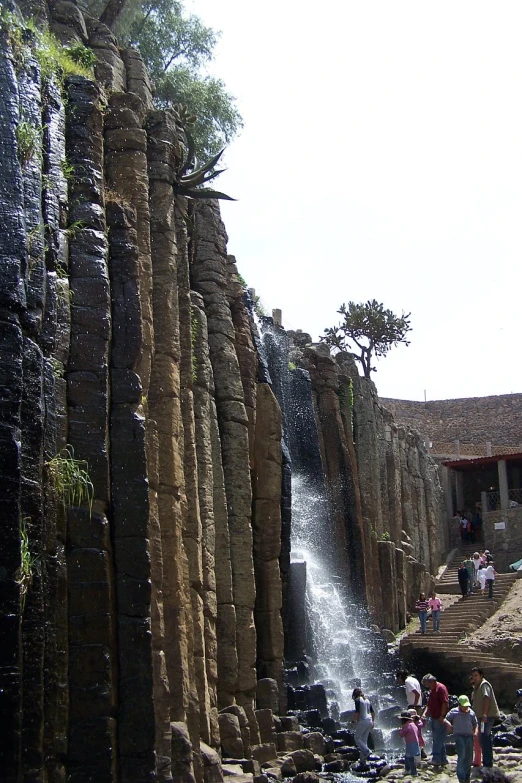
<point x="509" y="760"/>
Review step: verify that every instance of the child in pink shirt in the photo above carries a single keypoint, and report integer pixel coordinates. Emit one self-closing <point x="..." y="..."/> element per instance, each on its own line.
<point x="409" y="731"/>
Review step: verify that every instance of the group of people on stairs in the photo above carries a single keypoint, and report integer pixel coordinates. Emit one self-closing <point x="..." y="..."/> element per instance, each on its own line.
<point x="477" y="571"/>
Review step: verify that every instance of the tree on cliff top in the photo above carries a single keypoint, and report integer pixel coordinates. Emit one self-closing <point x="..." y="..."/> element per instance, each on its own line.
<point x="373" y="329"/>
<point x="175" y="47"/>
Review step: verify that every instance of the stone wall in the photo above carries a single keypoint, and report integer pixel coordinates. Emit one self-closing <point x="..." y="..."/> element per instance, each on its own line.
<point x="497" y="419"/>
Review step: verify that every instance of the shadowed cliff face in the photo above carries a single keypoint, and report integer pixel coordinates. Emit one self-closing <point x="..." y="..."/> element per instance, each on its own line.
<point x="129" y="623"/>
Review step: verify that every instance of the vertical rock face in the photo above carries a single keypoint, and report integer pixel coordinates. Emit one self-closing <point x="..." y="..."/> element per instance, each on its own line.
<point x="210" y="280"/>
<point x="394" y="495"/>
<point x="131" y="620"/>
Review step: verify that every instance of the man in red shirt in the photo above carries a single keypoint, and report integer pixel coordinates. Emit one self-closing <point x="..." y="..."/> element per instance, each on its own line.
<point x="438" y="705"/>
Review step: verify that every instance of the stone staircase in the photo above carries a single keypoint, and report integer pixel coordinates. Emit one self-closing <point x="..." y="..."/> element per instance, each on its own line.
<point x="446" y="654"/>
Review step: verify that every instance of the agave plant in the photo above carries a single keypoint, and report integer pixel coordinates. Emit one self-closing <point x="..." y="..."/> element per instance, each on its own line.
<point x="190" y="178"/>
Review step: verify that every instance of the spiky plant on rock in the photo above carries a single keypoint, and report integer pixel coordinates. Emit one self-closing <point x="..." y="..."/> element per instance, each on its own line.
<point x="191" y="179"/>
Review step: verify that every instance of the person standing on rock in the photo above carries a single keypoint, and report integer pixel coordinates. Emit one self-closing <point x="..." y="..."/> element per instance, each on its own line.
<point x="436" y="710"/>
<point x="422" y="607"/>
<point x="410" y="734"/>
<point x="436" y="608"/>
<point x="490" y="575"/>
<point x="464" y="723"/>
<point x="463" y="577"/>
<point x="486" y="709"/>
<point x="364" y="720"/>
<point x="412" y="687"/>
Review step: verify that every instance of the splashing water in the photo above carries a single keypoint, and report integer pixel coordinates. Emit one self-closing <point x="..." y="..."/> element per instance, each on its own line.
<point x="338" y="636"/>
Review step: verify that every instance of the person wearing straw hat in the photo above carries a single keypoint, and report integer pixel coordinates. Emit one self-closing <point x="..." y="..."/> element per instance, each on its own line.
<point x="464" y="723"/>
<point x="410" y="734"/>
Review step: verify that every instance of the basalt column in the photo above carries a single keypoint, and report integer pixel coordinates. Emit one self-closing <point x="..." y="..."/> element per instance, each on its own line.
<point x="130" y="508"/>
<point x="91" y="583"/>
<point x="165" y="420"/>
<point x="210" y="280"/>
<point x="204" y="412"/>
<point x="32" y="426"/>
<point x="192" y="529"/>
<point x="12" y="306"/>
<point x="137" y="536"/>
<point x="340" y="468"/>
<point x="267" y="479"/>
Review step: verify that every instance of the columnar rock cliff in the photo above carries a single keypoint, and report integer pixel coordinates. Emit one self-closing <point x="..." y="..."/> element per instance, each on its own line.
<point x="131" y="620"/>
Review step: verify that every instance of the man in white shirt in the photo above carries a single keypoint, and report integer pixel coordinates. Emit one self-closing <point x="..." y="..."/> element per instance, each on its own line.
<point x="413" y="689"/>
<point x="490" y="577"/>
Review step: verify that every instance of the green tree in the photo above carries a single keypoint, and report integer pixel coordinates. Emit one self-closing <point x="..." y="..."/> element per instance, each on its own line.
<point x="176" y="47"/>
<point x="371" y="328"/>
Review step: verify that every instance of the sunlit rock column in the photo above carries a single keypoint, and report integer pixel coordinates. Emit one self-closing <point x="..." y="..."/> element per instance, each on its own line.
<point x="210" y="280"/>
<point x="203" y="414"/>
<point x="266" y="524"/>
<point x="165" y="420"/>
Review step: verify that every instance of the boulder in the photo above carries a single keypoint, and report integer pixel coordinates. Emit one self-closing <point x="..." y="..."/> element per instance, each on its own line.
<point x="288" y="769"/>
<point x="304" y="760"/>
<point x="264" y="752"/>
<point x="306" y="777"/>
<point x="267" y="694"/>
<point x="244" y="726"/>
<point x="289" y="740"/>
<point x="211" y="763"/>
<point x="314" y="742"/>
<point x="289" y="723"/>
<point x="230" y="732"/>
<point x="388" y="635"/>
<point x="265" y="720"/>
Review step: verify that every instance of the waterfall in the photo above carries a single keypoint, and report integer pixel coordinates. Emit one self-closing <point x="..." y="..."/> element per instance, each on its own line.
<point x="329" y="629"/>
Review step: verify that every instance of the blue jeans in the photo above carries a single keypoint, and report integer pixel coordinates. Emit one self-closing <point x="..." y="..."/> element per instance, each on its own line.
<point x="435" y="616"/>
<point x="486" y="742"/>
<point x="438" y="731"/>
<point x="490" y="583"/>
<point x="422" y="617"/>
<point x="464" y="745"/>
<point x="412" y="750"/>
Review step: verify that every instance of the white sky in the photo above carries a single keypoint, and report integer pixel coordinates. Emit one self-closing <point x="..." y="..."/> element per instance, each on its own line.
<point x="382" y="158"/>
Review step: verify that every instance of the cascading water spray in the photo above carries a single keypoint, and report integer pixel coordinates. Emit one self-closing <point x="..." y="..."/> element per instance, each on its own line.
<point x="335" y="633"/>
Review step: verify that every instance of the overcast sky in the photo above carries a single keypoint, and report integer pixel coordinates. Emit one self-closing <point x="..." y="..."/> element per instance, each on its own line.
<point x="381" y="158"/>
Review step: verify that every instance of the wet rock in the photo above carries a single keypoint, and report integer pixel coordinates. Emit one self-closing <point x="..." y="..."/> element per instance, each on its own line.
<point x="306" y="777"/>
<point x="313" y="718"/>
<point x="288" y="768"/>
